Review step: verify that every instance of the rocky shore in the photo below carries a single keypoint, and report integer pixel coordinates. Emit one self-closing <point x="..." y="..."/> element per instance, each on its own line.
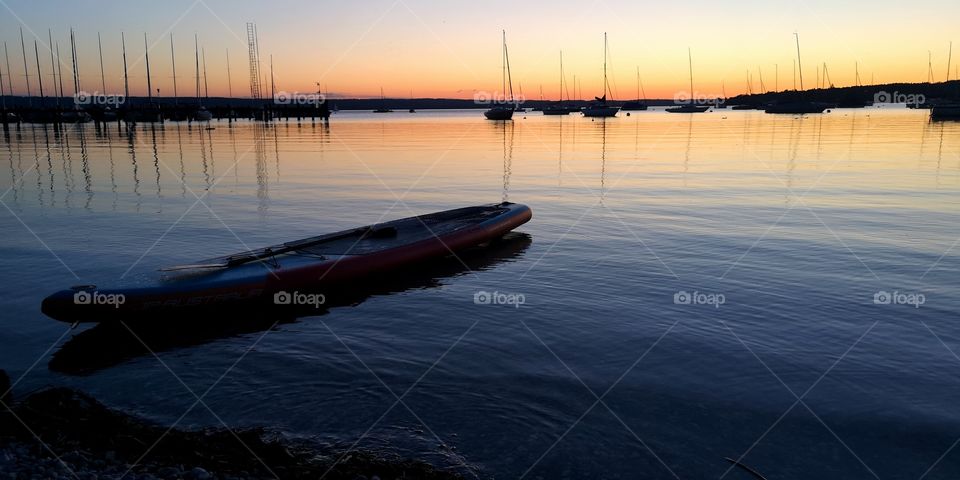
<point x="59" y="433"/>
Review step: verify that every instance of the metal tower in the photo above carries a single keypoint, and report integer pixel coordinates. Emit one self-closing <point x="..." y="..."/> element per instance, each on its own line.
<point x="254" y="58"/>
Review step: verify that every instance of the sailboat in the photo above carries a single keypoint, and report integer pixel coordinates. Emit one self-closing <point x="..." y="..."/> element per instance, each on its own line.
<point x="559" y="108"/>
<point x="202" y="114"/>
<point x="599" y="107"/>
<point x="638" y="104"/>
<point x="503" y="112"/>
<point x="691" y="107"/>
<point x="947" y="110"/>
<point x="383" y="106"/>
<point x="799" y="106"/>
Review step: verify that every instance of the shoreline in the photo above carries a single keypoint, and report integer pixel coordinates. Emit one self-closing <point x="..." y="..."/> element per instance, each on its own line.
<point x="80" y="438"/>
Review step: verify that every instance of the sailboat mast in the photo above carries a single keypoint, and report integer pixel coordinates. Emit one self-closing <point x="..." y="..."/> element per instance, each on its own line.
<point x="206" y="86"/>
<point x="103" y="78"/>
<point x="604" y="65"/>
<point x="229" y="82"/>
<point x="949" y="58"/>
<point x="503" y="64"/>
<point x="799" y="62"/>
<point x="146" y="54"/>
<point x="173" y="62"/>
<point x="53" y="66"/>
<point x="561" y="75"/>
<point x="26" y="73"/>
<point x="126" y="80"/>
<point x="506" y="55"/>
<point x="6" y="56"/>
<point x="59" y="70"/>
<point x="3" y="98"/>
<point x="196" y="55"/>
<point x="638" y="81"/>
<point x="36" y="53"/>
<point x="76" y="68"/>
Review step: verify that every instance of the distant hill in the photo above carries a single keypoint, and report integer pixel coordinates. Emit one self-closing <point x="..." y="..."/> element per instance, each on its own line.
<point x="856" y="95"/>
<point x="886" y="93"/>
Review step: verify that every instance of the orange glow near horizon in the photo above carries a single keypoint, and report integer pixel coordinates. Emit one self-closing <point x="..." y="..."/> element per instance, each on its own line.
<point x="424" y="50"/>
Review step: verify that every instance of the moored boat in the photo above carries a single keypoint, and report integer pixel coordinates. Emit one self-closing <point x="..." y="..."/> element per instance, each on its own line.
<point x="945" y="111"/>
<point x="499" y="113"/>
<point x="505" y="110"/>
<point x="800" y="107"/>
<point x="688" y="109"/>
<point x="691" y="107"/>
<point x="599" y="107"/>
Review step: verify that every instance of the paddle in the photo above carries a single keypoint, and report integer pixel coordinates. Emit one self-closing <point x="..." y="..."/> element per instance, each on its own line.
<point x="268" y="252"/>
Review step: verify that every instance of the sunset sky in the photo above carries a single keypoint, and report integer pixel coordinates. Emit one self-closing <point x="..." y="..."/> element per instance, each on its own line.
<point x="452" y="49"/>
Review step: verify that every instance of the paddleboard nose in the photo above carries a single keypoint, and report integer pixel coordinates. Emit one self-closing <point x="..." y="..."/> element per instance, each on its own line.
<point x="59" y="305"/>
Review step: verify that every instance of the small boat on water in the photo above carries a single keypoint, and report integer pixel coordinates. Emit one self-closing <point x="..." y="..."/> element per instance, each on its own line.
<point x="799" y="106"/>
<point x="688" y="109"/>
<point x="279" y="274"/>
<point x="599" y="107"/>
<point x="559" y="108"/>
<point x="75" y="116"/>
<point x="383" y="104"/>
<point x="505" y="111"/>
<point x="638" y="104"/>
<point x="108" y="115"/>
<point x="499" y="113"/>
<point x="633" y="106"/>
<point x="202" y="114"/>
<point x="945" y="111"/>
<point x="691" y="107"/>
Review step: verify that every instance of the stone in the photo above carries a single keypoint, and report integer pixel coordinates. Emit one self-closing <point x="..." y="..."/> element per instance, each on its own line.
<point x="168" y="472"/>
<point x="5" y="395"/>
<point x="199" y="474"/>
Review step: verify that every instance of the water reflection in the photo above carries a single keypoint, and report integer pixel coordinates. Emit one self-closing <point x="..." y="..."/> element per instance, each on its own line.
<point x="507" y="157"/>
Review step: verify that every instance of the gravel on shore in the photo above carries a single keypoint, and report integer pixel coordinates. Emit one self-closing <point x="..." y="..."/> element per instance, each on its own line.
<point x="59" y="433"/>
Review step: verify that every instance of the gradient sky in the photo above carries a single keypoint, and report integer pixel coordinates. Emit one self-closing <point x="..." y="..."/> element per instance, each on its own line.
<point x="452" y="48"/>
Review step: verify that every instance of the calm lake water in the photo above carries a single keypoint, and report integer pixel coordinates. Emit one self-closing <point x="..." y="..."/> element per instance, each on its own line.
<point x="695" y="287"/>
